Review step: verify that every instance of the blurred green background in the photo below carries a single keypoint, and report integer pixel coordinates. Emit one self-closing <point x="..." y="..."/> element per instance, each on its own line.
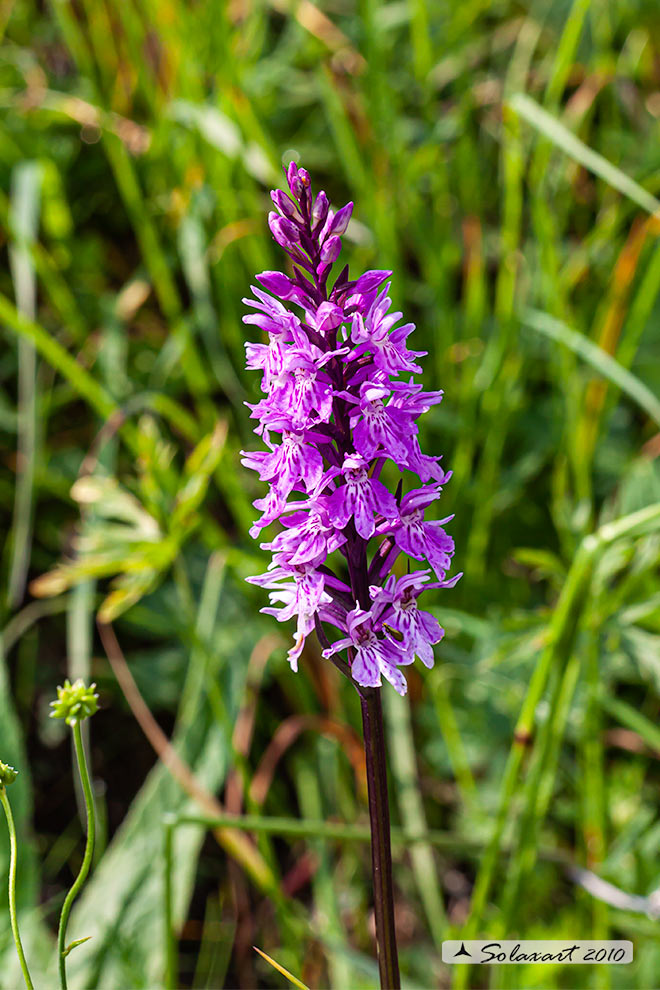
<point x="504" y="160"/>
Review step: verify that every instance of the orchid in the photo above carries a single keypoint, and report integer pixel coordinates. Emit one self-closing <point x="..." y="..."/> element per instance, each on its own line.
<point x="341" y="402"/>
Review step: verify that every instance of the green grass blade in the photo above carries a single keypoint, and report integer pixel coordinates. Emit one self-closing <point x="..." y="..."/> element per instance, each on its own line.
<point x="538" y="792"/>
<point x="78" y="377"/>
<point x="594" y="805"/>
<point x="26" y="183"/>
<point x="599" y="359"/>
<point x="571" y="145"/>
<point x="325" y="893"/>
<point x="439" y="689"/>
<point x="633" y="719"/>
<point x="401" y="749"/>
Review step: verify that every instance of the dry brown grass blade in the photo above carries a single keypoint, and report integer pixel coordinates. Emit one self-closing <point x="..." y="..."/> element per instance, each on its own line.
<point x="280" y="969"/>
<point x="286" y="735"/>
<point x="612" y="323"/>
<point x="244" y="727"/>
<point x="320" y="26"/>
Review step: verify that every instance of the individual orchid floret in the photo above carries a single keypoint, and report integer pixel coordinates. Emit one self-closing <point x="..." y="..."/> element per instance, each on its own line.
<point x="292" y="462"/>
<point x="377" y="426"/>
<point x="309" y="535"/>
<point x="395" y="604"/>
<point x="372" y="655"/>
<point x="339" y="404"/>
<point x="301" y="594"/>
<point x="420" y="538"/>
<point x="360" y="498"/>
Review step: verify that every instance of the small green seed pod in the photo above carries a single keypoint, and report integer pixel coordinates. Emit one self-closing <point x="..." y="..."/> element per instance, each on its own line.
<point x="7" y="774"/>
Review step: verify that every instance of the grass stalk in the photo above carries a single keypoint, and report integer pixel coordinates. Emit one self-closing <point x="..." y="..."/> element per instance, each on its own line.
<point x="26" y="182"/>
<point x="538" y="791"/>
<point x="561" y="634"/>
<point x="325" y="890"/>
<point x="411" y="810"/>
<point x="452" y="737"/>
<point x="561" y="638"/>
<point x="594" y="799"/>
<point x="296" y="828"/>
<point x="4" y="800"/>
<point x="171" y="945"/>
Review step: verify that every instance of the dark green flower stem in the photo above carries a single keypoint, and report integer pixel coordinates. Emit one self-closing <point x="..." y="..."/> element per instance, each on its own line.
<point x="381" y="852"/>
<point x="12" y="887"/>
<point x="379" y="805"/>
<point x="89" y="851"/>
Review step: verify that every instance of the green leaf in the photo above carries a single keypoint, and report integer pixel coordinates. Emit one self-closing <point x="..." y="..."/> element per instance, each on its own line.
<point x="73" y="945"/>
<point x="544" y="563"/>
<point x="111" y="501"/>
<point x="198" y="471"/>
<point x="644" y="647"/>
<point x="215" y="127"/>
<point x="122" y="902"/>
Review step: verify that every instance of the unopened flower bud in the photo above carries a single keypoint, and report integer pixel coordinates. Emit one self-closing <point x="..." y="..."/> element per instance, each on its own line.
<point x="328" y="317"/>
<point x="7" y="774"/>
<point x="330" y="250"/>
<point x="295" y="185"/>
<point x="341" y="219"/>
<point x="75" y="702"/>
<point x="284" y="231"/>
<point x="320" y="209"/>
<point x="285" y="205"/>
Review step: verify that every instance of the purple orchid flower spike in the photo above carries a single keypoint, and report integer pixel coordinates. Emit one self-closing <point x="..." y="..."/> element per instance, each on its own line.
<point x="340" y="402"/>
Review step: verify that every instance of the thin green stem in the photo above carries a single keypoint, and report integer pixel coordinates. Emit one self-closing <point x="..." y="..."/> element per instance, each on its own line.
<point x="171" y="960"/>
<point x="297" y="828"/>
<point x="537" y="792"/>
<point x="594" y="802"/>
<point x="12" y="887"/>
<point x="89" y="852"/>
<point x="452" y="738"/>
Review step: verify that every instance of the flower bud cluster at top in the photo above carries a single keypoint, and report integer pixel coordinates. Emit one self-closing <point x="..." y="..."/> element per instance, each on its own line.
<point x="7" y="774"/>
<point x="340" y="401"/>
<point x="75" y="702"/>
